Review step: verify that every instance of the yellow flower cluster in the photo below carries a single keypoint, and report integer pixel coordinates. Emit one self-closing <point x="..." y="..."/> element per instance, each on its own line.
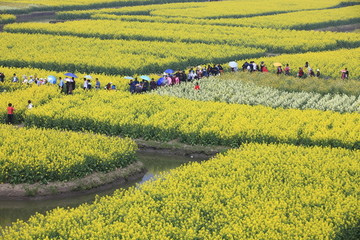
<point x="190" y="32"/>
<point x="255" y="192"/>
<point x="7" y="18"/>
<point x="115" y="57"/>
<point x="38" y="155"/>
<point x="165" y="118"/>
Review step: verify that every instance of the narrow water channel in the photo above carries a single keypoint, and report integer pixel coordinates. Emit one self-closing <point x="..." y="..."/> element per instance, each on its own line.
<point x="155" y="163"/>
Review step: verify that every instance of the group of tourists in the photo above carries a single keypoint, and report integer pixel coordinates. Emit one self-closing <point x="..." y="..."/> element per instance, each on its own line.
<point x="25" y="79"/>
<point x="68" y="84"/>
<point x="301" y="72"/>
<point x="173" y="78"/>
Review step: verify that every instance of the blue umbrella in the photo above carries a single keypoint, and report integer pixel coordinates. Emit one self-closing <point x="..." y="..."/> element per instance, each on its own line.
<point x="170" y="71"/>
<point x="145" y="77"/>
<point x="127" y="77"/>
<point x="160" y="81"/>
<point x="70" y="75"/>
<point x="51" y="79"/>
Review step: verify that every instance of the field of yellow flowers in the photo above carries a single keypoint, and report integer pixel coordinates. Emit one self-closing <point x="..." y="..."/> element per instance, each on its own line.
<point x="120" y="57"/>
<point x="165" y="118"/>
<point x="255" y="192"/>
<point x="24" y="6"/>
<point x="213" y="9"/>
<point x="292" y="20"/>
<point x="272" y="40"/>
<point x="39" y="155"/>
<point x="294" y="173"/>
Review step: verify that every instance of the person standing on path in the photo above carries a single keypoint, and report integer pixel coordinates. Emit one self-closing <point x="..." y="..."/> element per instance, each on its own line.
<point x="10" y="114"/>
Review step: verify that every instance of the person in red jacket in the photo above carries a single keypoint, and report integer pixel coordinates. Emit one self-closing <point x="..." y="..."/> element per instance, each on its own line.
<point x="300" y="73"/>
<point x="10" y="112"/>
<point x="197" y="86"/>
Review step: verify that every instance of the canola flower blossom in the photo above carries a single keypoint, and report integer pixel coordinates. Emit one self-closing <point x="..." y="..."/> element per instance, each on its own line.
<point x="39" y="155"/>
<point x="255" y="192"/>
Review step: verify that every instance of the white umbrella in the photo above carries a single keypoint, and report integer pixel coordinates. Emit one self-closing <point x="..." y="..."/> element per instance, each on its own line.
<point x="233" y="64"/>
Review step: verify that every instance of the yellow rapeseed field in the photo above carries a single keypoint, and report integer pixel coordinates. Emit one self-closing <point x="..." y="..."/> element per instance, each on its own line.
<point x="255" y="192"/>
<point x="39" y="155"/>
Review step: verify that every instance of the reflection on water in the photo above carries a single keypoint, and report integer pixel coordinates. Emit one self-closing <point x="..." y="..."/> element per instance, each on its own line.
<point x="155" y="163"/>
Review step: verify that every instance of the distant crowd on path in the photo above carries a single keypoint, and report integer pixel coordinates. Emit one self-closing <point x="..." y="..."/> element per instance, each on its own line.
<point x="168" y="79"/>
<point x="68" y="84"/>
<point x="253" y="67"/>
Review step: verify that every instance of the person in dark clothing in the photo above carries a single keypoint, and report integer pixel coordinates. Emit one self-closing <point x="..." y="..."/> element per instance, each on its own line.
<point x="153" y="84"/>
<point x="318" y="73"/>
<point x="220" y="68"/>
<point x="145" y="86"/>
<point x="244" y="66"/>
<point x="131" y="86"/>
<point x="73" y="83"/>
<point x="2" y="77"/>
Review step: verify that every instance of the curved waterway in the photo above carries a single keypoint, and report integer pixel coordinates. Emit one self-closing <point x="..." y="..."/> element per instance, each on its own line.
<point x="11" y="210"/>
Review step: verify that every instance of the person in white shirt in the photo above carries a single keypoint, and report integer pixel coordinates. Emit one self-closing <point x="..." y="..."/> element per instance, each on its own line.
<point x="30" y="105"/>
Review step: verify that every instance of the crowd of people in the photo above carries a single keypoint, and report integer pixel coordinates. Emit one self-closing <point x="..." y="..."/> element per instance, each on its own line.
<point x="301" y="72"/>
<point x="194" y="73"/>
<point x="68" y="84"/>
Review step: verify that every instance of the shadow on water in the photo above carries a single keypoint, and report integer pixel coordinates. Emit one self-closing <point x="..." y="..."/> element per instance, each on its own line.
<point x="11" y="210"/>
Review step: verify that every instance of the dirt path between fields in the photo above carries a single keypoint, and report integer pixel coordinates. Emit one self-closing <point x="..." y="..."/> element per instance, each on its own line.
<point x="341" y="28"/>
<point x="92" y="183"/>
<point x="35" y="16"/>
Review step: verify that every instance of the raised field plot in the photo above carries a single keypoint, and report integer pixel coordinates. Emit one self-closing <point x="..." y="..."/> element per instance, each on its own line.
<point x="269" y="39"/>
<point x="38" y="155"/>
<point x="195" y="122"/>
<point x="119" y="57"/>
<point x="255" y="192"/>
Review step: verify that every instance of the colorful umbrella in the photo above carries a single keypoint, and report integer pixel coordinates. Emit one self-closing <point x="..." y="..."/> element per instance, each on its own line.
<point x="88" y="77"/>
<point x="127" y="77"/>
<point x="233" y="64"/>
<point x="70" y="75"/>
<point x="51" y="79"/>
<point x="144" y="77"/>
<point x="170" y="71"/>
<point x="160" y="81"/>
